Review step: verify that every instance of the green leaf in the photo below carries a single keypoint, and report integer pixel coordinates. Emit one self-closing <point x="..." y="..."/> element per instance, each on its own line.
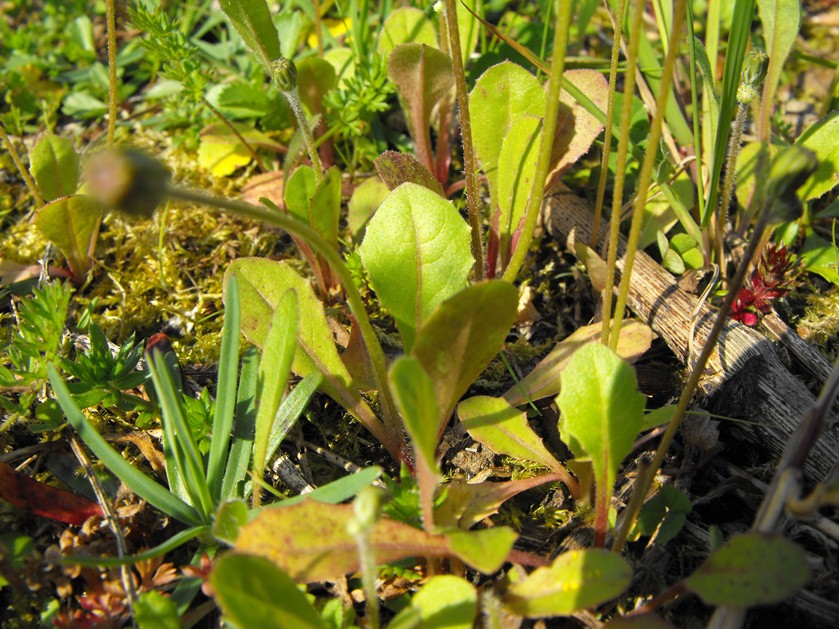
<point x="315" y="78"/>
<point x="153" y="610"/>
<point x="461" y="337"/>
<point x="602" y="413"/>
<point x="423" y="76"/>
<point x="821" y="256"/>
<point x="299" y="190"/>
<point x="501" y="95"/>
<point x="239" y="100"/>
<point x="397" y="168"/>
<point x="516" y="171"/>
<point x="665" y="512"/>
<point x="751" y="569"/>
<point x="182" y="455"/>
<point x="338" y="491"/>
<point x="781" y="20"/>
<point x="484" y="549"/>
<point x="413" y="392"/>
<point x="72" y="224"/>
<point x="323" y="549"/>
<point x="274" y="369"/>
<point x="821" y="139"/>
<point x="444" y="602"/>
<point x="243" y="427"/>
<point x="229" y="519"/>
<point x="574" y="581"/>
<point x="465" y="504"/>
<point x="291" y="409"/>
<point x="468" y="27"/>
<point x="252" y="20"/>
<point x="221" y="151"/>
<point x="325" y="207"/>
<point x="365" y="200"/>
<point x="253" y="592"/>
<point x="138" y="482"/>
<point x="54" y="164"/>
<point x="504" y="429"/>
<point x="545" y="379"/>
<point x="262" y="283"/>
<point x="417" y="251"/>
<point x="405" y="25"/>
<point x="226" y="390"/>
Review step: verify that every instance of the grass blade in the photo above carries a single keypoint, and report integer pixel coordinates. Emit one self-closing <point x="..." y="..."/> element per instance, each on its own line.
<point x="183" y="447"/>
<point x="243" y="427"/>
<point x="168" y="546"/>
<point x="291" y="409"/>
<point x="138" y="482"/>
<point x="226" y="390"/>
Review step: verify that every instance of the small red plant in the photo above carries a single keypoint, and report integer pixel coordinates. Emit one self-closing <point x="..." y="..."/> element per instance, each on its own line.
<point x="768" y="282"/>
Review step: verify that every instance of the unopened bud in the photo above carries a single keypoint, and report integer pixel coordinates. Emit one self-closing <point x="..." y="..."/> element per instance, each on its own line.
<point x="367" y="507"/>
<point x="129" y="181"/>
<point x="284" y="73"/>
<point x="752" y="75"/>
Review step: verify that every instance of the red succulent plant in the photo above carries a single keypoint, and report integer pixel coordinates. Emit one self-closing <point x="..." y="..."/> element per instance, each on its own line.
<point x="768" y="281"/>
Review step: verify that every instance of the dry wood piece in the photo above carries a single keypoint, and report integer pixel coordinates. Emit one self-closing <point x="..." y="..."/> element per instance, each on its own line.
<point x="776" y="399"/>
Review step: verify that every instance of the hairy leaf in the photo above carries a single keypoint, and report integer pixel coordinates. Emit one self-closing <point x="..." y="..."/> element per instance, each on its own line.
<point x="397" y="168"/>
<point x="405" y="25"/>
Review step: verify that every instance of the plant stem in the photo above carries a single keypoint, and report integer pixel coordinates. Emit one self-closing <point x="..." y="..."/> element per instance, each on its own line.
<point x="647" y="169"/>
<point x="620" y="171"/>
<point x="27" y="178"/>
<point x="728" y="182"/>
<point x="537" y="192"/>
<point x="292" y="97"/>
<point x="693" y="381"/>
<point x="113" y="92"/>
<point x="392" y="436"/>
<point x="472" y="194"/>
<point x="607" y="135"/>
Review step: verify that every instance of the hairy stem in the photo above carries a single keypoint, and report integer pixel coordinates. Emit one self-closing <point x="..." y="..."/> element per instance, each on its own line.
<point x="113" y="92"/>
<point x="472" y="194"/>
<point x="27" y="178"/>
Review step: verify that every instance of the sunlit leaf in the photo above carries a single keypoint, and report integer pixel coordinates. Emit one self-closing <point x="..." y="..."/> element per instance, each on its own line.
<point x="444" y="602"/>
<point x="253" y="22"/>
<point x="484" y="549"/>
<point x="417" y="252"/>
<point x="365" y="200"/>
<point x="781" y="20"/>
<point x="751" y="569"/>
<point x="72" y="224"/>
<point x="574" y="581"/>
<point x="405" y="25"/>
<point x="253" y="592"/>
<point x="821" y="139"/>
<point x="461" y="337"/>
<point x="54" y="165"/>
<point x="397" y="168"/>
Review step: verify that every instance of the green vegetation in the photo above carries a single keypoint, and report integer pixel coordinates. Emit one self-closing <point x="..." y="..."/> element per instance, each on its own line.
<point x="322" y="220"/>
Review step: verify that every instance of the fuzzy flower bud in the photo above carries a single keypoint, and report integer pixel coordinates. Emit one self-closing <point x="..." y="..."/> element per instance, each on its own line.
<point x="128" y="180"/>
<point x="284" y="73"/>
<point x="752" y="75"/>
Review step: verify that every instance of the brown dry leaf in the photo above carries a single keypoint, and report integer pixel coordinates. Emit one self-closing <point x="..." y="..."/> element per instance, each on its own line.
<point x="268" y="185"/>
<point x="576" y="129"/>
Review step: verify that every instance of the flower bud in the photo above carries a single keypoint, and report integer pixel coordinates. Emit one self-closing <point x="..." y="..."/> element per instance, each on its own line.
<point x="367" y="507"/>
<point x="284" y="73"/>
<point x="128" y="180"/>
<point x="752" y="75"/>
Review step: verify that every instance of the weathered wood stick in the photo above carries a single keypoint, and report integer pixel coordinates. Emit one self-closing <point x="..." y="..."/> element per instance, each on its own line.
<point x="775" y="399"/>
